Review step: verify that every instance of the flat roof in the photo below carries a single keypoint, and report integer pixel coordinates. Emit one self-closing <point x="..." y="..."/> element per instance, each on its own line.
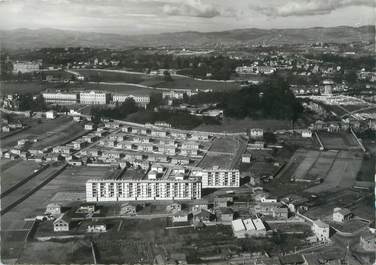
<point x="238" y="225"/>
<point x="259" y="224"/>
<point x="249" y="224"/>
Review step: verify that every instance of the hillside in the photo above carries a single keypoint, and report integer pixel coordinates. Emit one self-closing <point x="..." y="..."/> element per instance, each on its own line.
<point x="26" y="38"/>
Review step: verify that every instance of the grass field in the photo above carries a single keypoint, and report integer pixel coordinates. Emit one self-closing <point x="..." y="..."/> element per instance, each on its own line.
<point x="33" y="87"/>
<point x="111" y="88"/>
<point x="338" y="141"/>
<point x="233" y="125"/>
<point x="107" y="76"/>
<point x="180" y="82"/>
<point x="225" y="144"/>
<point x="16" y="172"/>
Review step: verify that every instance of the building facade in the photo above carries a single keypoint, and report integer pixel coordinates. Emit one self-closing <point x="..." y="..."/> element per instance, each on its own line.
<point x="132" y="190"/>
<point x="220" y="178"/>
<point x="26" y="67"/>
<point x="95" y="98"/>
<point x="140" y="100"/>
<point x="61" y="98"/>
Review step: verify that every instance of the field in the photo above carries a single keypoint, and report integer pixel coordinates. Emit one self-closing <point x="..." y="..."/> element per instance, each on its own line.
<point x="232" y="125"/>
<point x="48" y="133"/>
<point x="67" y="188"/>
<point x="112" y="88"/>
<point x="14" y="171"/>
<point x="108" y="76"/>
<point x="224" y="152"/>
<point x="338" y="141"/>
<point x="337" y="170"/>
<point x="180" y="82"/>
<point x="20" y="87"/>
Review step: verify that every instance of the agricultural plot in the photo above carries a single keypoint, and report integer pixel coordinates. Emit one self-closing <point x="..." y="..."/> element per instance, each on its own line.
<point x="235" y="126"/>
<point x="112" y="76"/>
<point x="48" y="133"/>
<point x="16" y="172"/>
<point x="338" y="141"/>
<point x="21" y="87"/>
<point x="181" y="82"/>
<point x="117" y="88"/>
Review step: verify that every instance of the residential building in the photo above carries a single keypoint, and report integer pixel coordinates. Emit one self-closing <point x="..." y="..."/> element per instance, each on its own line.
<point x="246" y="158"/>
<point x="94" y="98"/>
<point x="341" y="215"/>
<point x="271" y="209"/>
<point x="256" y="133"/>
<point x="131" y="190"/>
<point x="321" y="230"/>
<point x="62" y="224"/>
<point x="225" y="215"/>
<point x="50" y="115"/>
<point x="97" y="228"/>
<point x="180" y="217"/>
<point x="53" y="208"/>
<point x="306" y="133"/>
<point x="220" y="178"/>
<point x="26" y="67"/>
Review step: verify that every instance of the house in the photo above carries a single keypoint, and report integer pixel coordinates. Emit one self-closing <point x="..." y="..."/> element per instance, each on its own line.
<point x="321" y="230"/>
<point x="127" y="209"/>
<point x="173" y="208"/>
<point x="306" y="133"/>
<point x="246" y="158"/>
<point x="158" y="168"/>
<point x="225" y="215"/>
<point x="180" y="217"/>
<point x="62" y="223"/>
<point x="203" y="216"/>
<point x="256" y="133"/>
<point x="96" y="228"/>
<point x="341" y="215"/>
<point x="87" y="208"/>
<point x="50" y="114"/>
<point x="272" y="209"/>
<point x="256" y="145"/>
<point x="89" y="126"/>
<point x="152" y="174"/>
<point x="53" y="209"/>
<point x="222" y="202"/>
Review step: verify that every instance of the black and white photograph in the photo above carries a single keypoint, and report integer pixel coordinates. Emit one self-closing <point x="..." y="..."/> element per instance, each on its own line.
<point x="177" y="132"/>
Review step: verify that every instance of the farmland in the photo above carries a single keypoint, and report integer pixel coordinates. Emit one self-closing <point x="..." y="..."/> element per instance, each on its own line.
<point x="47" y="132"/>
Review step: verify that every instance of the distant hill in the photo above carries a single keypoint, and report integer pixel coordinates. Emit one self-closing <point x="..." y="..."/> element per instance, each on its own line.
<point x="26" y="38"/>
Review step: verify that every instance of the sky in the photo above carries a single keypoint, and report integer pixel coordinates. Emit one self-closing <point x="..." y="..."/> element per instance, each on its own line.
<point x="156" y="16"/>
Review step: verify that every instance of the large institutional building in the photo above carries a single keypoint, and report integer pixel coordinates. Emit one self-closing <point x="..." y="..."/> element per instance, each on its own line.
<point x="140" y="100"/>
<point x="220" y="178"/>
<point x="95" y="98"/>
<point x="26" y="67"/>
<point x="132" y="190"/>
<point x="61" y="98"/>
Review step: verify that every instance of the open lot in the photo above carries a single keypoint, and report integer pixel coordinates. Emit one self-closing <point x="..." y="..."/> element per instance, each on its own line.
<point x="112" y="76"/>
<point x="14" y="171"/>
<point x="48" y="133"/>
<point x="338" y="141"/>
<point x="21" y="87"/>
<point x="225" y="145"/>
<point x="233" y="125"/>
<point x="111" y="87"/>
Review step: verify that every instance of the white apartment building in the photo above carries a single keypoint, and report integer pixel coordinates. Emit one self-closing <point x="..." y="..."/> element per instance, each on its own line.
<point x="220" y="178"/>
<point x="132" y="190"/>
<point x="60" y="98"/>
<point x="95" y="98"/>
<point x="140" y="100"/>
